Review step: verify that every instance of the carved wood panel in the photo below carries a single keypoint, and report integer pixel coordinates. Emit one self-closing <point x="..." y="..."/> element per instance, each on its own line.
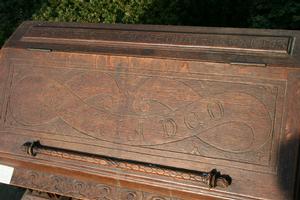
<point x="225" y="99"/>
<point x="190" y="115"/>
<point x="158" y="39"/>
<point x="80" y="189"/>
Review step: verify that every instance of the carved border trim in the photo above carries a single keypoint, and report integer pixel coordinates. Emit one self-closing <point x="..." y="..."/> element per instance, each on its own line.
<point x="77" y="188"/>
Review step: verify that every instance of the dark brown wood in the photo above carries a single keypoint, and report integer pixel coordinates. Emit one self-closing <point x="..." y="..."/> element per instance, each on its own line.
<point x="226" y="45"/>
<point x="80" y="189"/>
<point x="211" y="179"/>
<point x="37" y="195"/>
<point x="178" y="97"/>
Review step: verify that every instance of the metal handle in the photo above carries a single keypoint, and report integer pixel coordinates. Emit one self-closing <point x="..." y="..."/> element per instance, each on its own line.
<point x="212" y="179"/>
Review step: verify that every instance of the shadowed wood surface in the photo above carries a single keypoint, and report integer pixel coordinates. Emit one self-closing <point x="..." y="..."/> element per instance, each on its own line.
<point x="174" y="97"/>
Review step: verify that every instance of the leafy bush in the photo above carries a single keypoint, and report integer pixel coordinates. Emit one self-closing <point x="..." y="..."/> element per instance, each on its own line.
<point x="233" y="13"/>
<point x="276" y="14"/>
<point x="107" y="11"/>
<point x="13" y="12"/>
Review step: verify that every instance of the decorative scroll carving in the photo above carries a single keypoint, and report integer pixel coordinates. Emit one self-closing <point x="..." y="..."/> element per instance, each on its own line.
<point x="229" y="119"/>
<point x="159" y="111"/>
<point x="38" y="195"/>
<point x="77" y="188"/>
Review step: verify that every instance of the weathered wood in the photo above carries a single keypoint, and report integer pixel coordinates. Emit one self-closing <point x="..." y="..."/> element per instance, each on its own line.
<point x="162" y="97"/>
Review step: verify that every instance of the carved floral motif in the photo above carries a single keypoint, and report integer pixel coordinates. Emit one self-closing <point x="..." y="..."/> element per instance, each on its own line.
<point x="79" y="189"/>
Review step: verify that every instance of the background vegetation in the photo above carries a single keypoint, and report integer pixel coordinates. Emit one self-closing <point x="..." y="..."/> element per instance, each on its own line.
<point x="283" y="14"/>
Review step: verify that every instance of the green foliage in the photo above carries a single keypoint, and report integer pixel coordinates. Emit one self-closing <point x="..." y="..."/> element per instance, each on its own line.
<point x="276" y="14"/>
<point x="13" y="12"/>
<point x="284" y="14"/>
<point x="106" y="11"/>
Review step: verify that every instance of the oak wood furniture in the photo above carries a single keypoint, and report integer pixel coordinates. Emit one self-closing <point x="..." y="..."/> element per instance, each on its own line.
<point x="143" y="112"/>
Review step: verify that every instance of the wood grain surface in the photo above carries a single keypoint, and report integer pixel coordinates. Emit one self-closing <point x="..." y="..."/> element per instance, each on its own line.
<point x="182" y="97"/>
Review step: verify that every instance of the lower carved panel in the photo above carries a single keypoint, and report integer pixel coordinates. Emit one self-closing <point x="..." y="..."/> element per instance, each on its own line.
<point x="77" y="188"/>
<point x="37" y="195"/>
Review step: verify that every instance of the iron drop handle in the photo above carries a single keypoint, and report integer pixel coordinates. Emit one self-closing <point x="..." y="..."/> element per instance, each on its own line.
<point x="212" y="179"/>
